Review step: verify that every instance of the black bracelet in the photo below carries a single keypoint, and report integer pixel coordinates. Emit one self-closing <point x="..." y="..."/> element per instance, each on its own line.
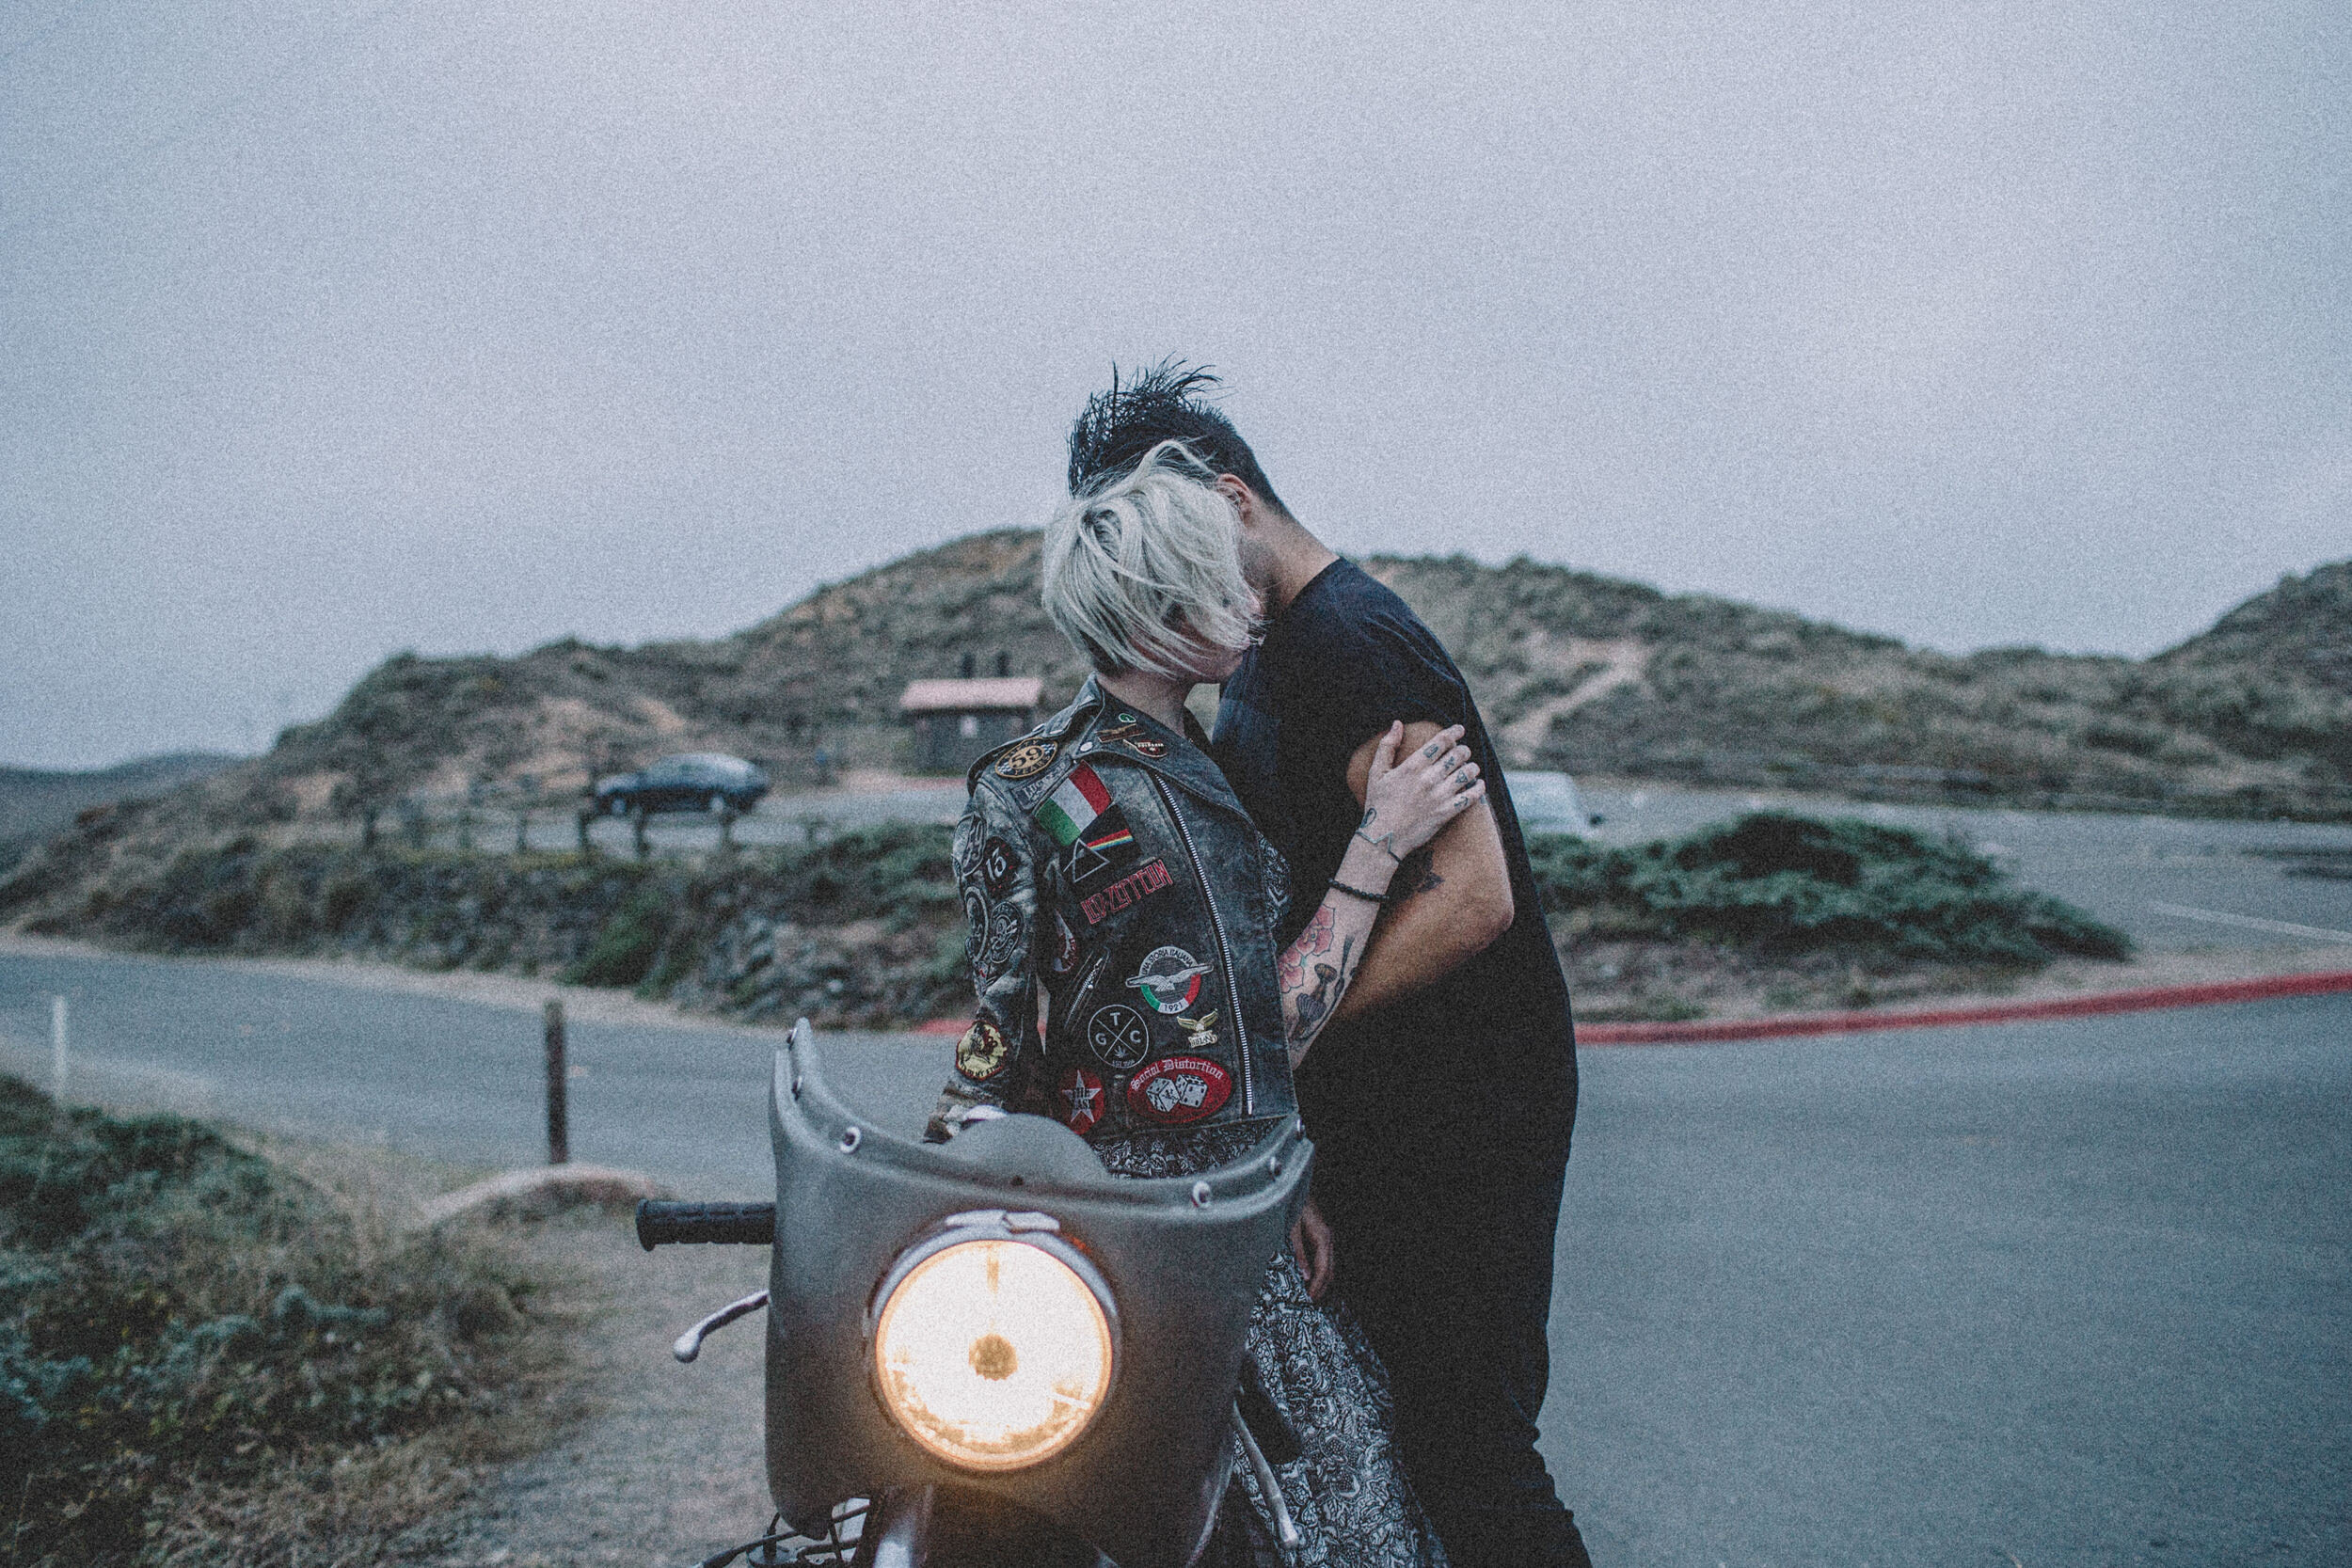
<point x="1337" y="886"/>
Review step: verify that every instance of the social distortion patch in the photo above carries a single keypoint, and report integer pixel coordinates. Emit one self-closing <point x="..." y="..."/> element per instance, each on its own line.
<point x="1141" y="883"/>
<point x="1177" y="1089"/>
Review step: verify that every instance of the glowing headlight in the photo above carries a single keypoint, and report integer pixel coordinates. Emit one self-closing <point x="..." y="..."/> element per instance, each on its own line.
<point x="993" y="1353"/>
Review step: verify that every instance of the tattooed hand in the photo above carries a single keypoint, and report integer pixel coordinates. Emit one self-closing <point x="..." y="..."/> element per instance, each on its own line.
<point x="1407" y="802"/>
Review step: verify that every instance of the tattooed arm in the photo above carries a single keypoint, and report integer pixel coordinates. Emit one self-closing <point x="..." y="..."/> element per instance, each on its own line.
<point x="1451" y="899"/>
<point x="1406" y="803"/>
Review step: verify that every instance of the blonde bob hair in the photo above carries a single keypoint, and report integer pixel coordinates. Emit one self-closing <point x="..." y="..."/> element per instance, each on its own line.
<point x="1147" y="561"/>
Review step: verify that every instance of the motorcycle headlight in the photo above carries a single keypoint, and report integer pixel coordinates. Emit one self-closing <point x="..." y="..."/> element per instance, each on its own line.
<point x="994" y="1351"/>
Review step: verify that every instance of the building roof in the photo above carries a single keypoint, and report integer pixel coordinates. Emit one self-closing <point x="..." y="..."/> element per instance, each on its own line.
<point x="995" y="693"/>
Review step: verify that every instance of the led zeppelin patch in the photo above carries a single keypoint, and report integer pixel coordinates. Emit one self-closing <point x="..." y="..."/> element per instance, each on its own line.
<point x="1117" y="1034"/>
<point x="996" y="865"/>
<point x="1142" y="882"/>
<point x="1065" y="950"/>
<point x="1082" y="1099"/>
<point x="1200" y="1033"/>
<point x="1169" y="979"/>
<point x="1026" y="760"/>
<point x="983" y="1053"/>
<point x="1177" y="1089"/>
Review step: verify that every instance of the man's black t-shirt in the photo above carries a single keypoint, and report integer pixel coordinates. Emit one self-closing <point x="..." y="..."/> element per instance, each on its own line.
<point x="1481" y="1067"/>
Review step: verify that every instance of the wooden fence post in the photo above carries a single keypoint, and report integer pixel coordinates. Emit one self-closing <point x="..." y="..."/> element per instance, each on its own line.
<point x="558" y="1117"/>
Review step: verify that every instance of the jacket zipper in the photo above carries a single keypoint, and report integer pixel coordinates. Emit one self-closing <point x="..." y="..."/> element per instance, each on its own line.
<point x="1225" y="956"/>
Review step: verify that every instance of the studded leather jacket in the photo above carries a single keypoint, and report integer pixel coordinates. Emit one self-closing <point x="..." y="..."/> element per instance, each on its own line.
<point x="1113" y="885"/>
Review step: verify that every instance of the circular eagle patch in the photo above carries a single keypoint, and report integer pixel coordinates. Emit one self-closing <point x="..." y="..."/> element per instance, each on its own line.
<point x="984" y="1052"/>
<point x="1026" y="760"/>
<point x="1168" y="979"/>
<point x="1177" y="1089"/>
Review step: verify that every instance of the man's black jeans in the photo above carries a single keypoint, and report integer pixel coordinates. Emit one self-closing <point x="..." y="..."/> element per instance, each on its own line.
<point x="1455" y="1293"/>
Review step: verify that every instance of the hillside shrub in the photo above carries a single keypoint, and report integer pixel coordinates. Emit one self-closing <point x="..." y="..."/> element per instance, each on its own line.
<point x="1784" y="883"/>
<point x="177" y="1313"/>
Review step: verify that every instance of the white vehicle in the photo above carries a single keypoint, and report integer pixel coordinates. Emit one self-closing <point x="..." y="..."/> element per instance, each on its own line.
<point x="1547" y="804"/>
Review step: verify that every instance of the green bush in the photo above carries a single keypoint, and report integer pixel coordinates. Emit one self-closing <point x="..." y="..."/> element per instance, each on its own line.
<point x="175" y="1312"/>
<point x="630" y="942"/>
<point x="1785" y="884"/>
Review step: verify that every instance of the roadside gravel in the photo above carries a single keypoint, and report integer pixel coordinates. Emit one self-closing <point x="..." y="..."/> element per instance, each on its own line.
<point x="651" y="1462"/>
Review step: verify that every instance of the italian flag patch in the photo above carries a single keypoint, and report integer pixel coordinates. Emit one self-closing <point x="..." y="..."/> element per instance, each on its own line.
<point x="1071" y="809"/>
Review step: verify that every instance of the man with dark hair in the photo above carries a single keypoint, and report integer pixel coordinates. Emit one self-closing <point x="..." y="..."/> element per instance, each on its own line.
<point x="1443" y="1089"/>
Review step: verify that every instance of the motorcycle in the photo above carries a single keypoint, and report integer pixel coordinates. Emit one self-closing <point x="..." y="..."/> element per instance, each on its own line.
<point x="991" y="1351"/>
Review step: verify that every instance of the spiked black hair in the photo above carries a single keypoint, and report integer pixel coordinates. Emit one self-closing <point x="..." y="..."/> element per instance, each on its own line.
<point x="1167" y="402"/>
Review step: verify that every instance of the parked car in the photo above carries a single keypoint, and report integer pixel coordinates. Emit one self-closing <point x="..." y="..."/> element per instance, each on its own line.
<point x="695" y="781"/>
<point x="1547" y="804"/>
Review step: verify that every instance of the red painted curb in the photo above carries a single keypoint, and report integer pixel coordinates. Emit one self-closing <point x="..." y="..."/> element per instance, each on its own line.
<point x="1701" y="1031"/>
<point x="941" y="1026"/>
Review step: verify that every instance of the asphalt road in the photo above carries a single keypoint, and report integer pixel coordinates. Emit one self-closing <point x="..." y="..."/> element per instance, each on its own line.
<point x="2071" y="1294"/>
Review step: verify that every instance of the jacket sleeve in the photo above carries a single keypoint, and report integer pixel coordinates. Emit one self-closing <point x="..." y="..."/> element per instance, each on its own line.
<point x="1000" y="1062"/>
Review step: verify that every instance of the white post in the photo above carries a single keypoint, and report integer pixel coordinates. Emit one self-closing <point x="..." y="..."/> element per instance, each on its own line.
<point x="56" y="1046"/>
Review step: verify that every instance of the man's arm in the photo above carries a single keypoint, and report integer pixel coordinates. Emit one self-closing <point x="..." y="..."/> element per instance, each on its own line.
<point x="1450" y="902"/>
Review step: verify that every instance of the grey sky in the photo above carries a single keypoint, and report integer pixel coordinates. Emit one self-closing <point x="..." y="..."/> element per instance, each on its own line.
<point x="331" y="329"/>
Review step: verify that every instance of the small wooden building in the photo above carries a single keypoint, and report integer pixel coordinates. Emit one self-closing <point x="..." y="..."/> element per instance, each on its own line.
<point x="955" y="720"/>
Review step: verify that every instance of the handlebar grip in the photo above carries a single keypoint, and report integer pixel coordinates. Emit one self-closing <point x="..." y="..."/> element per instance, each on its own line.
<point x="732" y="1223"/>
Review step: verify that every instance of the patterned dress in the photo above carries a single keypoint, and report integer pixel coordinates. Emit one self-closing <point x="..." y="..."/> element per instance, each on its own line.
<point x="1347" y="1492"/>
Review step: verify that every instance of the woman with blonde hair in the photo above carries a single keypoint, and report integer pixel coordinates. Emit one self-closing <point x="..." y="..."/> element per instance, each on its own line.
<point x="1122" y="911"/>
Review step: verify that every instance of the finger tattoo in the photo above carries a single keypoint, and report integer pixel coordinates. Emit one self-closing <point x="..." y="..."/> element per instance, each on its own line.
<point x="1430" y="753"/>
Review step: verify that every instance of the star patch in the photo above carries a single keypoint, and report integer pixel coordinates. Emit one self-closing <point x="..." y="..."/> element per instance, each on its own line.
<point x="1168" y="979"/>
<point x="1082" y="1099"/>
<point x="1118" y="1035"/>
<point x="983" y="1053"/>
<point x="996" y="866"/>
<point x="1026" y="760"/>
<point x="1177" y="1089"/>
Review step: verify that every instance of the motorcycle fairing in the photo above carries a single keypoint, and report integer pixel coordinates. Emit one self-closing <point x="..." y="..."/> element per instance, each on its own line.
<point x="1184" y="1257"/>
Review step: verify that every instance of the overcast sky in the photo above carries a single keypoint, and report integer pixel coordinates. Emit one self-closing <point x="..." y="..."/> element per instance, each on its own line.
<point x="328" y="330"/>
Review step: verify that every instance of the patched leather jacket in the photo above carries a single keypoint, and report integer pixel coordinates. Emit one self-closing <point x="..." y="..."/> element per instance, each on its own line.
<point x="1108" y="868"/>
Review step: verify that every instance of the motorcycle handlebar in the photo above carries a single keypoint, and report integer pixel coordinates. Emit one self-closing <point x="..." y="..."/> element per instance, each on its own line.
<point x="734" y="1224"/>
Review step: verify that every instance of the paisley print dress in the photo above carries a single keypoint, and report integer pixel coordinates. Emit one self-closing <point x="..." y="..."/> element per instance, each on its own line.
<point x="1347" y="1492"/>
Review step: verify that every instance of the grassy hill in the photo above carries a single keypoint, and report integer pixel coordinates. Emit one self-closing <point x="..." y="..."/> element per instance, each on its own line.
<point x="1574" y="671"/>
<point x="34" y="802"/>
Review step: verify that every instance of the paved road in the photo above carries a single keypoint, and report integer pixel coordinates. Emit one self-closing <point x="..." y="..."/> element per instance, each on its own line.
<point x="2072" y="1294"/>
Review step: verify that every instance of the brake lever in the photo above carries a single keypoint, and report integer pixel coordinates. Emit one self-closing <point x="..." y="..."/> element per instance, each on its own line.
<point x="689" y="1344"/>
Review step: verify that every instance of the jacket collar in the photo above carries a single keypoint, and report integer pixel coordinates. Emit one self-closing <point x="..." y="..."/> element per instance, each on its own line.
<point x="1111" y="731"/>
